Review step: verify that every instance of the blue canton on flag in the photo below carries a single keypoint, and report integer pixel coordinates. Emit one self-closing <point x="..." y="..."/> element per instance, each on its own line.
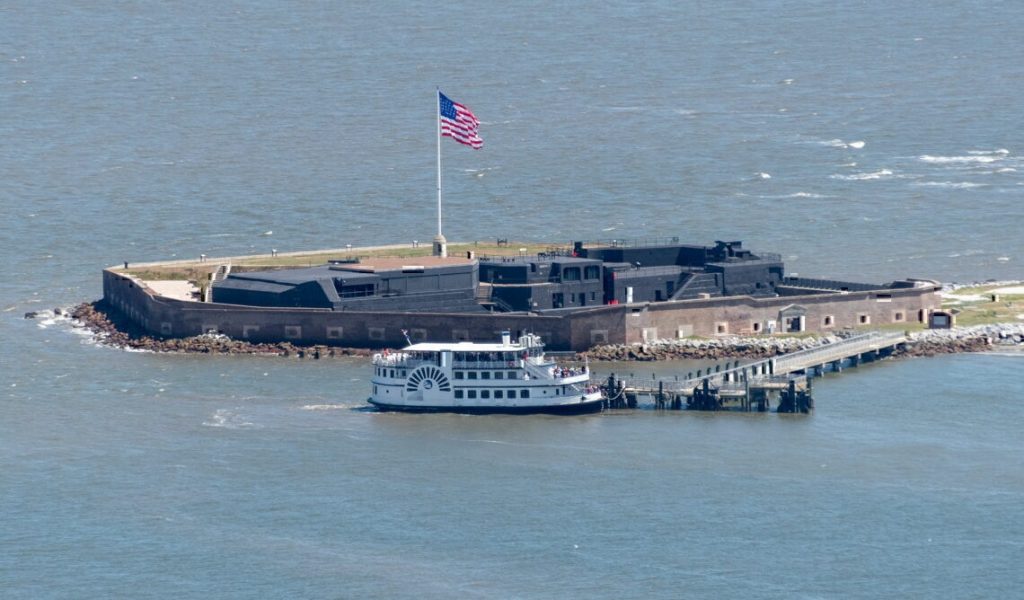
<point x="459" y="123"/>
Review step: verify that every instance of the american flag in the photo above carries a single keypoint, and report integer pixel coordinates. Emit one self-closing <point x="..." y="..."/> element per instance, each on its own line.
<point x="459" y="123"/>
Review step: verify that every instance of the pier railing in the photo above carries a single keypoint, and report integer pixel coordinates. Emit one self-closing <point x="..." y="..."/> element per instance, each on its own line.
<point x="766" y="371"/>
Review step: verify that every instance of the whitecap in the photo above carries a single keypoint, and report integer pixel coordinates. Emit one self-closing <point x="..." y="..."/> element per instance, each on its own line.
<point x="805" y="195"/>
<point x="834" y="143"/>
<point x="228" y="420"/>
<point x="763" y="175"/>
<point x="323" y="407"/>
<point x="1003" y="259"/>
<point x="1006" y="170"/>
<point x="857" y="145"/>
<point x="941" y="160"/>
<point x="1000" y="151"/>
<point x="880" y="174"/>
<point x="961" y="185"/>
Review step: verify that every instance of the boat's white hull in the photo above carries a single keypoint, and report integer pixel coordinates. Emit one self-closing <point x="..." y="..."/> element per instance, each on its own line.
<point x="583" y="404"/>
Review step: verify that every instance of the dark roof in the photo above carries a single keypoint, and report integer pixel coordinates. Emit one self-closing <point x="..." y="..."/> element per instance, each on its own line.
<point x="293" y="277"/>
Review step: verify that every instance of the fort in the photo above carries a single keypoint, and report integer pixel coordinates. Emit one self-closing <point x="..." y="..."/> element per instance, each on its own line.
<point x="575" y="296"/>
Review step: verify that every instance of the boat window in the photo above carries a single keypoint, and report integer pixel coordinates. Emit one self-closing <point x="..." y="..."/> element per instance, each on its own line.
<point x="485" y="375"/>
<point x="513" y="375"/>
<point x="557" y="391"/>
<point x="485" y="393"/>
<point x="499" y="374"/>
<point x="392" y="372"/>
<point x="471" y="393"/>
<point x="458" y="394"/>
<point x="498" y="394"/>
<point x="524" y="393"/>
<point x="374" y="390"/>
<point x="512" y="394"/>
<point x="471" y="374"/>
<point x="458" y="375"/>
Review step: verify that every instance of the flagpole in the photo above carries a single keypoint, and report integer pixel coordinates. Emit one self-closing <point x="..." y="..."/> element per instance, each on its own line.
<point x="437" y="117"/>
<point x="440" y="244"/>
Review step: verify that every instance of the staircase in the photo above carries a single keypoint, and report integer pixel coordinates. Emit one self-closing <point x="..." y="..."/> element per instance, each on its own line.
<point x="696" y="284"/>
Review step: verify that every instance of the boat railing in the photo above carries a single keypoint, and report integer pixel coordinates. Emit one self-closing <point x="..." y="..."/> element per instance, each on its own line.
<point x="399" y="359"/>
<point x="485" y="364"/>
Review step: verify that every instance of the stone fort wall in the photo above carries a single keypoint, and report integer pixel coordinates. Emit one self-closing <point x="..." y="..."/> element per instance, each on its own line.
<point x="621" y="324"/>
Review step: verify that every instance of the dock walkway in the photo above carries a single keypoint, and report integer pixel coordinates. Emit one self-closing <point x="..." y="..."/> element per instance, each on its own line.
<point x="754" y="385"/>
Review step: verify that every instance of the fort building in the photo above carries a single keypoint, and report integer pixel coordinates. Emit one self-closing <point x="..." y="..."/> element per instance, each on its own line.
<point x="574" y="297"/>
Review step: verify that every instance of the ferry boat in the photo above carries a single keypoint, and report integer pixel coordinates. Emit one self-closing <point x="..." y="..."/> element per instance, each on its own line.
<point x="477" y="378"/>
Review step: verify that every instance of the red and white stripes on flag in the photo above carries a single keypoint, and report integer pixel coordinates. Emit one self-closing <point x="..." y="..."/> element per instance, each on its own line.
<point x="459" y="123"/>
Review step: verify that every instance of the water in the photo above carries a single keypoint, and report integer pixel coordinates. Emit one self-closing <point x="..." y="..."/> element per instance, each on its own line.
<point x="861" y="141"/>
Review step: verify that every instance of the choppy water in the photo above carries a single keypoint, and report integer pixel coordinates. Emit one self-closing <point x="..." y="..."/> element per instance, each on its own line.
<point x="864" y="140"/>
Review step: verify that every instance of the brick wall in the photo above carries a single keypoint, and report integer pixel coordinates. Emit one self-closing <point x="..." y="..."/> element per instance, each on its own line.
<point x="601" y="325"/>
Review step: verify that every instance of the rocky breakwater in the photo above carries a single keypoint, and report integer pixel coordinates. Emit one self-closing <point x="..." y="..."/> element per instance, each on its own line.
<point x="980" y="338"/>
<point x="698" y="348"/>
<point x="112" y="330"/>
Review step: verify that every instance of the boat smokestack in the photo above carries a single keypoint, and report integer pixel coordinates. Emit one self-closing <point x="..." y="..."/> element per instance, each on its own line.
<point x="506" y="338"/>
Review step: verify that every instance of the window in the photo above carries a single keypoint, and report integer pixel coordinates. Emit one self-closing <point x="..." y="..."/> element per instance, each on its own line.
<point x="471" y="394"/>
<point x="499" y="374"/>
<point x="863" y="319"/>
<point x="756" y="327"/>
<point x="828" y="321"/>
<point x="897" y="317"/>
<point x="374" y="390"/>
<point x="472" y="374"/>
<point x="592" y="272"/>
<point x="485" y="393"/>
<point x="498" y="394"/>
<point x="459" y="375"/>
<point x="458" y="394"/>
<point x="722" y="328"/>
<point x="524" y="393"/>
<point x="512" y="394"/>
<point x="485" y="375"/>
<point x="571" y="274"/>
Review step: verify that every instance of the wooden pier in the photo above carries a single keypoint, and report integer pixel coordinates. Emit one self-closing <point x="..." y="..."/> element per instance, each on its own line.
<point x="784" y="379"/>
